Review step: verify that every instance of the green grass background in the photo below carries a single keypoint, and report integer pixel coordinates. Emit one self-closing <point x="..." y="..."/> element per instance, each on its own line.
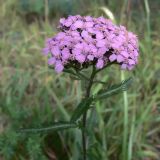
<point x="126" y="126"/>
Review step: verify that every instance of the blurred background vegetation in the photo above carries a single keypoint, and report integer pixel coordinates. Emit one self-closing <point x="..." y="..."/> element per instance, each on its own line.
<point x="126" y="127"/>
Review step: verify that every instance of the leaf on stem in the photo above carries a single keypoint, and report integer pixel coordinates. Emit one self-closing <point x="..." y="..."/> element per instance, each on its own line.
<point x="115" y="89"/>
<point x="75" y="75"/>
<point x="81" y="108"/>
<point x="71" y="71"/>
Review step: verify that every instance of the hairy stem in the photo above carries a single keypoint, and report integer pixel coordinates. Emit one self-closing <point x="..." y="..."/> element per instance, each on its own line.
<point x="84" y="136"/>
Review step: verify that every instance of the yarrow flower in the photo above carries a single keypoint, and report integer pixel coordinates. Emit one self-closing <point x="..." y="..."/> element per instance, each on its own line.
<point x="83" y="41"/>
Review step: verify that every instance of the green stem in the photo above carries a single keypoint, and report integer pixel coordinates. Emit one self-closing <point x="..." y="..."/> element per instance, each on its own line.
<point x="84" y="136"/>
<point x="125" y="121"/>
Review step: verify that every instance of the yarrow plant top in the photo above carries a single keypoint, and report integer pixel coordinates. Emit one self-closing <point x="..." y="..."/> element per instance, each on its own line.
<point x="86" y="40"/>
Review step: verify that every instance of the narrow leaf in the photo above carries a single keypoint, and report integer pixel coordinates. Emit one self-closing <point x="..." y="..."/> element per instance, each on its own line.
<point x="82" y="76"/>
<point x="55" y="127"/>
<point x="69" y="71"/>
<point x="81" y="108"/>
<point x="115" y="89"/>
<point x="74" y="77"/>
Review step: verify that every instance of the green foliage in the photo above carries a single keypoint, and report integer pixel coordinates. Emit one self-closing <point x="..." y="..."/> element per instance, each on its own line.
<point x="63" y="7"/>
<point x="32" y="96"/>
<point x="55" y="127"/>
<point x="32" y="6"/>
<point x="115" y="89"/>
<point x="83" y="106"/>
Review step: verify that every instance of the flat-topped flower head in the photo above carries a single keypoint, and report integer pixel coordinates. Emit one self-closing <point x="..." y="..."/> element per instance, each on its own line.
<point x="85" y="41"/>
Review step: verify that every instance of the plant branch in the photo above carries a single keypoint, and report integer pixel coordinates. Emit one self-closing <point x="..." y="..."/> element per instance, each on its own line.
<point x="109" y="64"/>
<point x="88" y="90"/>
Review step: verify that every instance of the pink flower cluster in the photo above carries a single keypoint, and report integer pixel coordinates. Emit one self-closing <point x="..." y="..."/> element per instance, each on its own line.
<point x="87" y="40"/>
